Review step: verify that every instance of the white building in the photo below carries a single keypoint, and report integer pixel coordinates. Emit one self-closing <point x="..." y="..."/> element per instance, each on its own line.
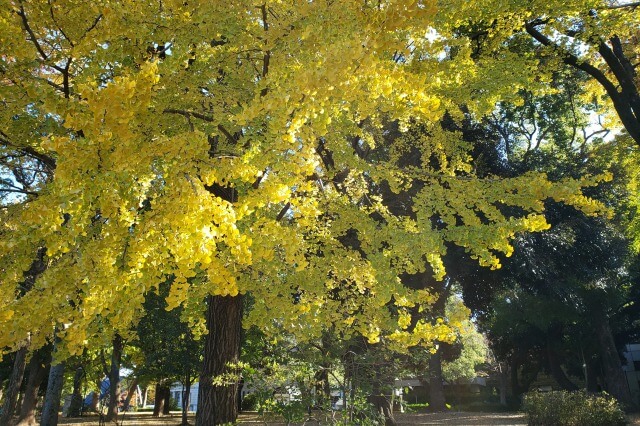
<point x="632" y="369"/>
<point x="177" y="389"/>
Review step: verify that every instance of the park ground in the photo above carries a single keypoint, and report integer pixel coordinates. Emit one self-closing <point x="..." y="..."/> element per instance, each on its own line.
<point x="449" y="418"/>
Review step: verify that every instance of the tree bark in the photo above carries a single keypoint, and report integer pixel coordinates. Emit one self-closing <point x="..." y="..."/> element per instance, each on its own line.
<point x="37" y="372"/>
<point x="217" y="402"/>
<point x="75" y="407"/>
<point x="114" y="377"/>
<point x="52" y="398"/>
<point x="166" y="409"/>
<point x="591" y="378"/>
<point x="186" y="396"/>
<point x="614" y="378"/>
<point x="436" y="381"/>
<point x="38" y="266"/>
<point x="322" y="388"/>
<point x="383" y="406"/>
<point x="160" y="401"/>
<point x="130" y="392"/>
<point x="11" y="396"/>
<point x="502" y="377"/>
<point x="436" y="385"/>
<point x="556" y="368"/>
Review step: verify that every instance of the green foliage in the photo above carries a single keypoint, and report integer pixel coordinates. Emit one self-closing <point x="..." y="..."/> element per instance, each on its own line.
<point x="294" y="411"/>
<point x="572" y="409"/>
<point x="473" y="349"/>
<point x="167" y="347"/>
<point x="362" y="412"/>
<point x="417" y="407"/>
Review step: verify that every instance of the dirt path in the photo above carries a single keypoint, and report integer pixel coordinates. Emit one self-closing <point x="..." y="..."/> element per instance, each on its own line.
<point x="451" y="418"/>
<point x="145" y="419"/>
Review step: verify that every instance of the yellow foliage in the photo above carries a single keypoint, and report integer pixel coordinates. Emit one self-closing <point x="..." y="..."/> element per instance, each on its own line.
<point x="191" y="144"/>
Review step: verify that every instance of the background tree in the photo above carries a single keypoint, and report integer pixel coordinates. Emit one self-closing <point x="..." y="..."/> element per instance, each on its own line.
<point x="168" y="350"/>
<point x="561" y="273"/>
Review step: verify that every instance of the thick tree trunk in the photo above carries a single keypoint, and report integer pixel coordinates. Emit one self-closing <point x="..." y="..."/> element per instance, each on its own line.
<point x="37" y="372"/>
<point x="614" y="378"/>
<point x="11" y="396"/>
<point x="217" y="403"/>
<point x="436" y="384"/>
<point x="520" y="385"/>
<point x="114" y="377"/>
<point x="556" y="368"/>
<point x="591" y="378"/>
<point x="436" y="380"/>
<point x="75" y="407"/>
<point x="160" y="400"/>
<point x="52" y="398"/>
<point x="166" y="409"/>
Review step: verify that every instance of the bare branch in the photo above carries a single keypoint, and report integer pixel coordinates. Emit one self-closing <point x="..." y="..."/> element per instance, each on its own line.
<point x="19" y="191"/>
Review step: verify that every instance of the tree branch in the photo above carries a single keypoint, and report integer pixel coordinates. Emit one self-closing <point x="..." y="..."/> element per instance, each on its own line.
<point x="27" y="27"/>
<point x="283" y="211"/>
<point x="625" y="6"/>
<point x="49" y="162"/>
<point x="622" y="102"/>
<point x="55" y="21"/>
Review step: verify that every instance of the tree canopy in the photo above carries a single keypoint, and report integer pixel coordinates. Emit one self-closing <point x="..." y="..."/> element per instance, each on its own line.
<point x="228" y="148"/>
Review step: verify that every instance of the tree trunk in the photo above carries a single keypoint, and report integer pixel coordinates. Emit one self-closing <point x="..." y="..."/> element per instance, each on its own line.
<point x="11" y="397"/>
<point x="186" y="396"/>
<point x="217" y="403"/>
<point x="75" y="407"/>
<point x="436" y="385"/>
<point x="614" y="378"/>
<point x="591" y="378"/>
<point x="160" y="399"/>
<point x="529" y="375"/>
<point x="322" y="387"/>
<point x="146" y="394"/>
<point x="52" y="398"/>
<point x="166" y="409"/>
<point x="556" y="368"/>
<point x="130" y="392"/>
<point x="383" y="407"/>
<point x="114" y="378"/>
<point x="502" y="377"/>
<point x="348" y="361"/>
<point x="37" y="372"/>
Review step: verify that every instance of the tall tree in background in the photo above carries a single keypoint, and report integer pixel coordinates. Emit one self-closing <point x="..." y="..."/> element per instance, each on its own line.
<point x="577" y="272"/>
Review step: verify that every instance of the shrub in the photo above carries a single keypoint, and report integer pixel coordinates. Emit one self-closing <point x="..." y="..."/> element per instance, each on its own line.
<point x="579" y="408"/>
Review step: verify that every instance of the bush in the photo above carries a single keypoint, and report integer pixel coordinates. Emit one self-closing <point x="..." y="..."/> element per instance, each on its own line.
<point x="579" y="408"/>
<point x="250" y="402"/>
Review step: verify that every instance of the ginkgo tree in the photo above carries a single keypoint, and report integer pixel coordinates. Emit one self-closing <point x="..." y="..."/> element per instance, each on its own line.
<point x="224" y="146"/>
